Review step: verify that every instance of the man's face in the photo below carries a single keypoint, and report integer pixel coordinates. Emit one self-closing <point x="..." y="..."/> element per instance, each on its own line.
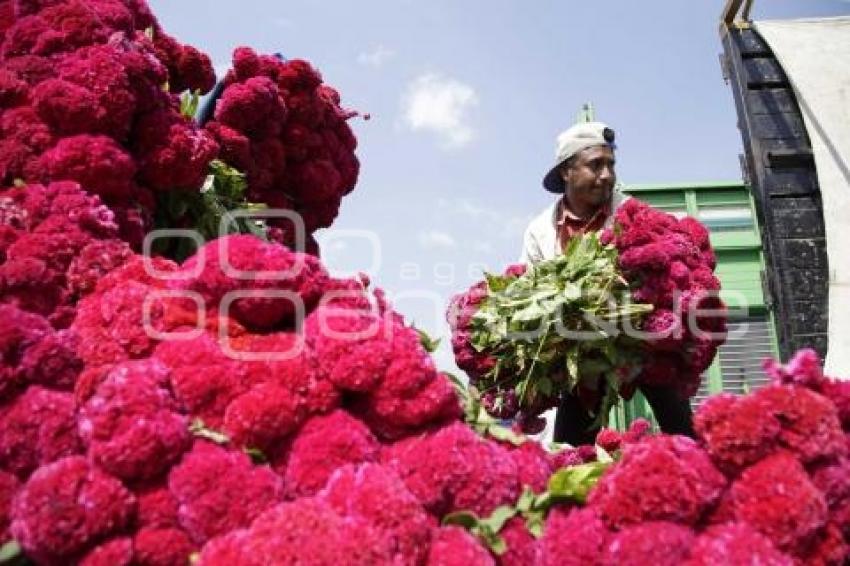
<point x="590" y="177"/>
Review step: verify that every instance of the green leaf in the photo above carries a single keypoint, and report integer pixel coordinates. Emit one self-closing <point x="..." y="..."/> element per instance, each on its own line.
<point x="505" y="434"/>
<point x="571" y="360"/>
<point x="465" y="519"/>
<point x="195" y="557"/>
<point x="19" y="183"/>
<point x="499" y="517"/>
<point x="526" y="500"/>
<point x="497" y="545"/>
<point x="535" y="524"/>
<point x="574" y="483"/>
<point x="497" y="283"/>
<point x="572" y="291"/>
<point x="427" y="342"/>
<point x="530" y="313"/>
<point x="149" y="31"/>
<point x="10" y="551"/>
<point x="189" y="103"/>
<point x="198" y="429"/>
<point x="256" y="455"/>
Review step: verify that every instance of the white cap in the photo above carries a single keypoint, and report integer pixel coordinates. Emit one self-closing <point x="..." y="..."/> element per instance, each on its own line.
<point x="570" y="142"/>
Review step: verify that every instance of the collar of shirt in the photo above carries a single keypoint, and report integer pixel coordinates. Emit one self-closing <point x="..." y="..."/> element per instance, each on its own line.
<point x="565" y="216"/>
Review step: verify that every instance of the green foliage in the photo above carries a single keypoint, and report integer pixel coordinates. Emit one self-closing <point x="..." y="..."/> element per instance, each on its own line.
<point x="574" y="483"/>
<point x="207" y="211"/>
<point x="487" y="529"/>
<point x="257" y="456"/>
<point x="559" y="324"/>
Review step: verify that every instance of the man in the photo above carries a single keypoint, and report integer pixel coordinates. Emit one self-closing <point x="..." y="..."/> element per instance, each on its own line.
<point x="584" y="174"/>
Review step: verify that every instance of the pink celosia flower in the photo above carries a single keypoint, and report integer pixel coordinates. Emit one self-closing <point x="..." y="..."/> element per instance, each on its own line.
<point x="663" y="478"/>
<point x="66" y="506"/>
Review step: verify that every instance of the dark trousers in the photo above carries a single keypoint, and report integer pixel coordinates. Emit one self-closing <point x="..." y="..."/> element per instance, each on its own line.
<point x="572" y="421"/>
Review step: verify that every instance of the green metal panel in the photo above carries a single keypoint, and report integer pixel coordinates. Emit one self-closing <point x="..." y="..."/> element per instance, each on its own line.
<point x="652" y="187"/>
<point x="626" y="412"/>
<point x="739" y="272"/>
<point x="735" y="240"/>
<point x="663" y="199"/>
<point x="711" y="197"/>
<point x="714" y="377"/>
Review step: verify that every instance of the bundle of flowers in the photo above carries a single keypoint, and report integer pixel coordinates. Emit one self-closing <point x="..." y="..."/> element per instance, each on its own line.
<point x="638" y="304"/>
<point x="281" y="125"/>
<point x="90" y="91"/>
<point x="670" y="264"/>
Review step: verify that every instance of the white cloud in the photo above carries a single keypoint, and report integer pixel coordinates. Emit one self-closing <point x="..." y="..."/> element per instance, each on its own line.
<point x="377" y="57"/>
<point x="432" y="239"/>
<point x="440" y="105"/>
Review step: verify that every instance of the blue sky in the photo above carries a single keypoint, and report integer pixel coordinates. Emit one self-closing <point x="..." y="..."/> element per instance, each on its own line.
<point x="466" y="98"/>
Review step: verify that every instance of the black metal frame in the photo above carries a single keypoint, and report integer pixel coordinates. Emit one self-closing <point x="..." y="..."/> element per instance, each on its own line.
<point x="779" y="166"/>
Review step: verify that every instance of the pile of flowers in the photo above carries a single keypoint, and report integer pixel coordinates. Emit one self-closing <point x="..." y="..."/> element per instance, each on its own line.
<point x="638" y="304"/>
<point x="90" y="91"/>
<point x="193" y="411"/>
<point x="170" y="411"/>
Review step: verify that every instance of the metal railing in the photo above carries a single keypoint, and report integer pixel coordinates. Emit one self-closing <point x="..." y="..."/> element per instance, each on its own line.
<point x="730" y="16"/>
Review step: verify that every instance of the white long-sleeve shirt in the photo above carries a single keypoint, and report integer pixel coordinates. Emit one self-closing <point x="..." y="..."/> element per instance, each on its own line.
<point x="540" y="241"/>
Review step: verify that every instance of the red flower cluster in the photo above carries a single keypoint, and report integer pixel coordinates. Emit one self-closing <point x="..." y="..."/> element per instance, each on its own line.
<point x="55" y="241"/>
<point x="670" y="264"/>
<point x="741" y="431"/>
<point x="462" y="308"/>
<point x="361" y="437"/>
<point x="131" y="425"/>
<point x="324" y="444"/>
<point x="219" y="490"/>
<point x="444" y="469"/>
<point x="34" y="354"/>
<point x="65" y="507"/>
<point x="279" y="123"/>
<point x="260" y="285"/>
<point x="453" y="546"/>
<point x="663" y="478"/>
<point x="82" y="100"/>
